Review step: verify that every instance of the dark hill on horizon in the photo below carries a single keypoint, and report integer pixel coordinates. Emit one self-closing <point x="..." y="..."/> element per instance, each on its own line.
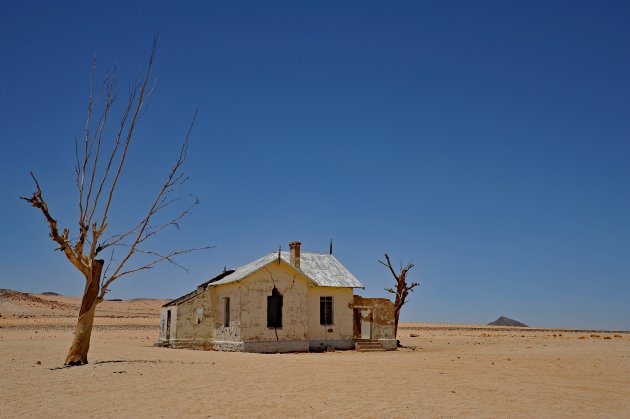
<point x="506" y="321"/>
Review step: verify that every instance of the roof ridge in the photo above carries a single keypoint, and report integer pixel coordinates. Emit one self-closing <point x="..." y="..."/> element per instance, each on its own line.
<point x="304" y="253"/>
<point x="322" y="268"/>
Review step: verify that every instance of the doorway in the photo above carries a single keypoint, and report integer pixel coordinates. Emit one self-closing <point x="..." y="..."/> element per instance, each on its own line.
<point x="366" y="323"/>
<point x="168" y="324"/>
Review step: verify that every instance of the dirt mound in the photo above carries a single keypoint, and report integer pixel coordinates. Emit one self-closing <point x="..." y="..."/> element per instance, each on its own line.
<point x="506" y="321"/>
<point x="22" y="304"/>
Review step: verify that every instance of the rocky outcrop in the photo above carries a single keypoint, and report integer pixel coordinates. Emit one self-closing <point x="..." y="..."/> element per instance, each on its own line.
<point x="506" y="321"/>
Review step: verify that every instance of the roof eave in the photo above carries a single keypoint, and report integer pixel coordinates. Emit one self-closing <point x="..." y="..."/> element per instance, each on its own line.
<point x="279" y="261"/>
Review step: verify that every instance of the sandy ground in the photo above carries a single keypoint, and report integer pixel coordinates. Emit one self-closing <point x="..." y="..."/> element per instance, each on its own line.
<point x="452" y="371"/>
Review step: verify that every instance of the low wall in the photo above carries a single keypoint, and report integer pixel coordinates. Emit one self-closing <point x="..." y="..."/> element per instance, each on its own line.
<point x="273" y="346"/>
<point x="389" y="344"/>
<point x="228" y="346"/>
<point x="315" y="345"/>
<point x="187" y="344"/>
<point x="382" y="317"/>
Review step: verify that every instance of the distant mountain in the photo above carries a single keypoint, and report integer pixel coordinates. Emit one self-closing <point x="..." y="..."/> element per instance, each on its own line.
<point x="506" y="321"/>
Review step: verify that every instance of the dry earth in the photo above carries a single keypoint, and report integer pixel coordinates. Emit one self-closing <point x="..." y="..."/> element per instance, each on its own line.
<point x="453" y="371"/>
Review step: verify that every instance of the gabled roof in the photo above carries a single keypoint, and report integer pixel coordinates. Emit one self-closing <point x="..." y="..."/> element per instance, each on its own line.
<point x="200" y="288"/>
<point x="321" y="268"/>
<point x="325" y="270"/>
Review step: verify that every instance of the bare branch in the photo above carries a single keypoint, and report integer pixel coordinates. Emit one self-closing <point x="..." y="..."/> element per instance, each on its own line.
<point x="111" y="259"/>
<point x="159" y="258"/>
<point x="140" y="236"/>
<point x="139" y="105"/>
<point x="402" y="288"/>
<point x="82" y="168"/>
<point x="117" y="239"/>
<point x="389" y="265"/>
<point x="114" y="152"/>
<point x="84" y="220"/>
<point x="110" y="97"/>
<point x="98" y="177"/>
<point x="37" y="200"/>
<point x="172" y="222"/>
<point x="77" y="168"/>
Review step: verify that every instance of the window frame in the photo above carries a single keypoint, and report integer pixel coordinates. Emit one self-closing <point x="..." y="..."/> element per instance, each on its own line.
<point x="274" y="301"/>
<point x="226" y="312"/>
<point x="199" y="315"/>
<point x="326" y="318"/>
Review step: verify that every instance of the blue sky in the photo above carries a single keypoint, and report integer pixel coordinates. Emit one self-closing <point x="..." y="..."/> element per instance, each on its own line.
<point x="487" y="142"/>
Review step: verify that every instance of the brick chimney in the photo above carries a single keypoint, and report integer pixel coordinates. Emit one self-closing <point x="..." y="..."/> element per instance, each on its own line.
<point x="294" y="250"/>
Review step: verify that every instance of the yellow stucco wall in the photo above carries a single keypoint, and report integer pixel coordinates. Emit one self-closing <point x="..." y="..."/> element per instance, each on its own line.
<point x="254" y="291"/>
<point x="248" y="310"/>
<point x="342" y="314"/>
<point x="232" y="332"/>
<point x="187" y="313"/>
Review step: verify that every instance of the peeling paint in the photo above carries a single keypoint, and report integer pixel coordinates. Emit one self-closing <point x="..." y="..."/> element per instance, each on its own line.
<point x="248" y="314"/>
<point x="381" y="314"/>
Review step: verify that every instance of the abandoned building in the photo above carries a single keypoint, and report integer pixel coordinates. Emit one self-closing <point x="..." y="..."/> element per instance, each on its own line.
<point x="279" y="303"/>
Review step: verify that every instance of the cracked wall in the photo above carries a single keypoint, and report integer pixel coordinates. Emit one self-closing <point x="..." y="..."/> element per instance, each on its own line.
<point x="187" y="326"/>
<point x="341" y="329"/>
<point x="254" y="291"/>
<point x="248" y="314"/>
<point x="232" y="332"/>
<point x="382" y="316"/>
<point x="164" y="316"/>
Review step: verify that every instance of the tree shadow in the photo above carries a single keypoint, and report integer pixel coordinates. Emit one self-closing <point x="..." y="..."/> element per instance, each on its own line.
<point x="133" y="361"/>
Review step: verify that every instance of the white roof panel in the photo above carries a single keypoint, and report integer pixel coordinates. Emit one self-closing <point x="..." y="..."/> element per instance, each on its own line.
<point x="322" y="268"/>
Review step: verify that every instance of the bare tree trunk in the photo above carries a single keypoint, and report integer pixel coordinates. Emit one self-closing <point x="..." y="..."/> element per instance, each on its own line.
<point x="97" y="177"/>
<point x="402" y="288"/>
<point x="77" y="355"/>
<point x="396" y="317"/>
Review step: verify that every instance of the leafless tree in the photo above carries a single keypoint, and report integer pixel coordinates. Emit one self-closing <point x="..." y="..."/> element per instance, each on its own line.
<point x="100" y="159"/>
<point x="402" y="288"/>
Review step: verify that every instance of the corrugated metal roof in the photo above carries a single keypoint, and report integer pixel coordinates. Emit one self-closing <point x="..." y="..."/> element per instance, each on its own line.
<point x="325" y="270"/>
<point x="246" y="270"/>
<point x="322" y="268"/>
<point x="183" y="298"/>
<point x="200" y="288"/>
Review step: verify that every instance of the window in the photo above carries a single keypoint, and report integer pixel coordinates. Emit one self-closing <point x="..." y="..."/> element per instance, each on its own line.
<point x="226" y="315"/>
<point x="274" y="309"/>
<point x="325" y="311"/>
<point x="199" y="315"/>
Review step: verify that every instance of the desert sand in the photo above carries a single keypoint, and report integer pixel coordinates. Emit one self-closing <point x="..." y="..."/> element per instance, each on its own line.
<point x="445" y="370"/>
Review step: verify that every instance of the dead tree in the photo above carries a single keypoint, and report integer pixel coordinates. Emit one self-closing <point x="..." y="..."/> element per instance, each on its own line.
<point x="99" y="164"/>
<point x="402" y="288"/>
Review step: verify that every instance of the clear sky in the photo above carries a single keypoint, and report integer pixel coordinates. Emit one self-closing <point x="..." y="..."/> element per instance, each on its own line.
<point x="487" y="142"/>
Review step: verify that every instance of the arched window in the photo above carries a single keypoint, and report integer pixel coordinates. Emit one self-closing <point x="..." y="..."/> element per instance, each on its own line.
<point x="274" y="309"/>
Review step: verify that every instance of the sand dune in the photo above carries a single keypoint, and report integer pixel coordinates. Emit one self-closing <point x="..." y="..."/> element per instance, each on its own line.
<point x="443" y="371"/>
<point x="15" y="305"/>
